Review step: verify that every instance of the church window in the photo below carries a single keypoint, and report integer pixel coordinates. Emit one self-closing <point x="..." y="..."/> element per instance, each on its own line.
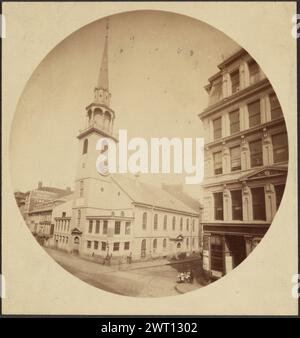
<point x="85" y="146"/>
<point x="155" y="221"/>
<point x="144" y="220"/>
<point x="165" y="222"/>
<point x="173" y="223"/>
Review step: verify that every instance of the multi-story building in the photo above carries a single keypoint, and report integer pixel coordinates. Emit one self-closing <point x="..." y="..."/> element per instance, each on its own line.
<point x="21" y="199"/>
<point x="117" y="215"/>
<point x="40" y="219"/>
<point x="61" y="220"/>
<point x="38" y="198"/>
<point x="246" y="161"/>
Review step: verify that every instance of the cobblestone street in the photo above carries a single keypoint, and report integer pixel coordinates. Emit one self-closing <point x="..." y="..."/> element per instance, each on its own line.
<point x="149" y="281"/>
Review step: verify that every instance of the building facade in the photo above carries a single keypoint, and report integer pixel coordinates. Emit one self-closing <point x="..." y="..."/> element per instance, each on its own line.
<point x="61" y="220"/>
<point x="246" y="162"/>
<point x="38" y="202"/>
<point x="40" y="217"/>
<point x="116" y="216"/>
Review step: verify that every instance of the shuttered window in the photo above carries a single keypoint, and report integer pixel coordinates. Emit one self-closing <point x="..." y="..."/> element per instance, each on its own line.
<point x="235" y="158"/>
<point x="217" y="128"/>
<point x="218" y="199"/>
<point x="218" y="163"/>
<point x="254" y="113"/>
<point x="234" y="118"/>
<point x="237" y="204"/>
<point x="235" y="81"/>
<point x="276" y="111"/>
<point x="258" y="203"/>
<point x="280" y="147"/>
<point x="256" y="156"/>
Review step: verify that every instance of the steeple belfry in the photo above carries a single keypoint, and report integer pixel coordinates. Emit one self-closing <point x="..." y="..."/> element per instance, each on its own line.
<point x="102" y="94"/>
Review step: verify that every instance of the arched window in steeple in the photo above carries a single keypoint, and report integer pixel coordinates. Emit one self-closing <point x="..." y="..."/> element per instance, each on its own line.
<point x="85" y="146"/>
<point x="107" y="120"/>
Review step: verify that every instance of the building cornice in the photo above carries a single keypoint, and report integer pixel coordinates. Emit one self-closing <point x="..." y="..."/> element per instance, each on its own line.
<point x="155" y="207"/>
<point x="247" y="132"/>
<point x="245" y="175"/>
<point x="94" y="129"/>
<point x="111" y="217"/>
<point x="240" y="95"/>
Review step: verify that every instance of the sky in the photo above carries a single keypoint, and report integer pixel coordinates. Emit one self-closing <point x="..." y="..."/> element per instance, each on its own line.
<point x="159" y="63"/>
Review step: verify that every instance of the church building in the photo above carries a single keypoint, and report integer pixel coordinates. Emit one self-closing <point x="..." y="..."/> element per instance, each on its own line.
<point x="115" y="215"/>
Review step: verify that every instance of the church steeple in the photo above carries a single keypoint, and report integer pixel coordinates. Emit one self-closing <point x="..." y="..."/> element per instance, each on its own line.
<point x="99" y="116"/>
<point x="102" y="94"/>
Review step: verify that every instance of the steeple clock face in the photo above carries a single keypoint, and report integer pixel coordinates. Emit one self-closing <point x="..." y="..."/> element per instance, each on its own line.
<point x="102" y="162"/>
<point x="104" y="169"/>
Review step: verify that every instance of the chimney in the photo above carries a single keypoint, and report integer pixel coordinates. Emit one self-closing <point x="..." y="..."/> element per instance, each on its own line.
<point x="40" y="184"/>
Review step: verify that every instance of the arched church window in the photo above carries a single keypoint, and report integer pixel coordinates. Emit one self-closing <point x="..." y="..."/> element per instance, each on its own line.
<point x="107" y="119"/>
<point x="78" y="217"/>
<point x="154" y="244"/>
<point x="165" y="222"/>
<point x="173" y="223"/>
<point x="85" y="146"/>
<point x="155" y="221"/>
<point x="144" y="220"/>
<point x="90" y="116"/>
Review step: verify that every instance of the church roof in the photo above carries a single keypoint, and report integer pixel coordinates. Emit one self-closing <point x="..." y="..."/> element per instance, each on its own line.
<point x="144" y="193"/>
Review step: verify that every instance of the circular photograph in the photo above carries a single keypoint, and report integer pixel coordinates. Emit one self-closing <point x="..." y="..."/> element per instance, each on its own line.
<point x="149" y="154"/>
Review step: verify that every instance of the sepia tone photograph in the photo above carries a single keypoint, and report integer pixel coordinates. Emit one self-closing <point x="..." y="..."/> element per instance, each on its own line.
<point x="149" y="154"/>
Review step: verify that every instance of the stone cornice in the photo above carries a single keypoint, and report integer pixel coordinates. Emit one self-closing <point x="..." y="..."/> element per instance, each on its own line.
<point x="242" y="94"/>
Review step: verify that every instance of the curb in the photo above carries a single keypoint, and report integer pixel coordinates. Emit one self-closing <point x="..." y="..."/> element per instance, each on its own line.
<point x="160" y="264"/>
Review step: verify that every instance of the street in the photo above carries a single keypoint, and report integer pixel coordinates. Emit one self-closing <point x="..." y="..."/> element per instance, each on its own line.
<point x="149" y="281"/>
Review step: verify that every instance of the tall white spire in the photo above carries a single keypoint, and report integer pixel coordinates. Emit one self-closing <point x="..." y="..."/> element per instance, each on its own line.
<point x="103" y="74"/>
<point x="102" y="94"/>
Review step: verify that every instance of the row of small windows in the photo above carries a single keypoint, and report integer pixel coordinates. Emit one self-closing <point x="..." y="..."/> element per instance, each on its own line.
<point x="62" y="225"/>
<point x="164" y="243"/>
<point x="280" y="154"/>
<point x="61" y="239"/>
<point x="254" y="76"/>
<point x="104" y="245"/>
<point x="216" y="93"/>
<point x="258" y="203"/>
<point x="254" y="116"/>
<point x="165" y="222"/>
<point x="117" y="227"/>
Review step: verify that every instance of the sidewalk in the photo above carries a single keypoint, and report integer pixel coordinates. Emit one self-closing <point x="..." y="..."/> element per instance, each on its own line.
<point x="156" y="262"/>
<point x="186" y="287"/>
